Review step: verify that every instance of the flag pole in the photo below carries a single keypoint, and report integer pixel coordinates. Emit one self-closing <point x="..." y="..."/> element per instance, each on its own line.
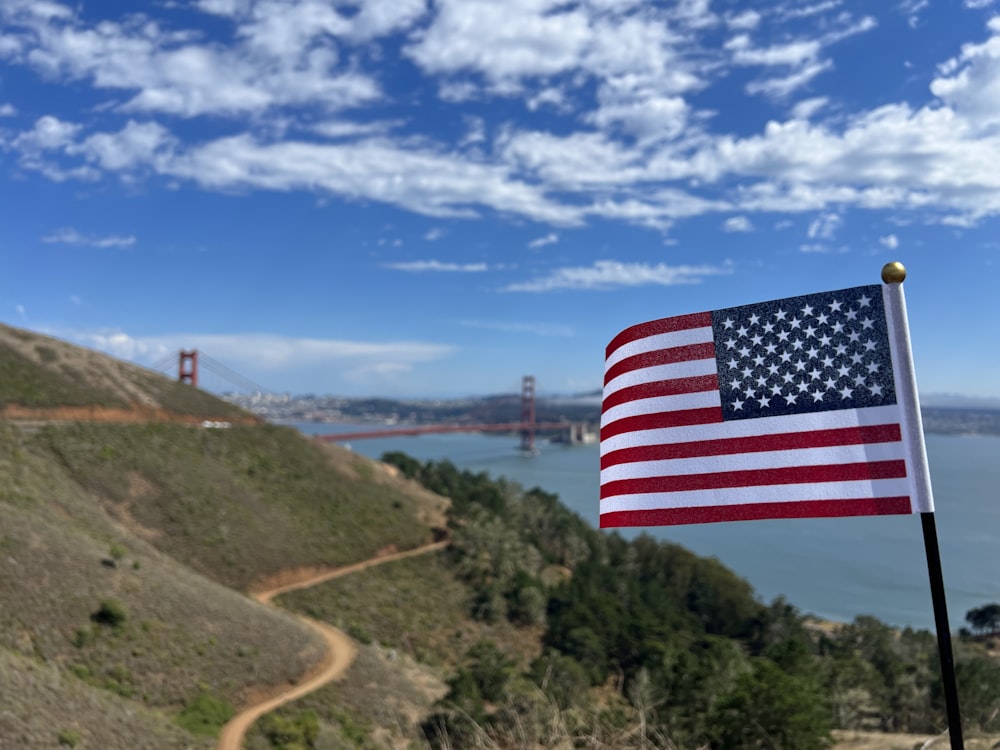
<point x="943" y="630"/>
<point x="893" y="275"/>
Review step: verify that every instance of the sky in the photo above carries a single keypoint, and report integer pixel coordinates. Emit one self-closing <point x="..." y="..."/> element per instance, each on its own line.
<point x="433" y="198"/>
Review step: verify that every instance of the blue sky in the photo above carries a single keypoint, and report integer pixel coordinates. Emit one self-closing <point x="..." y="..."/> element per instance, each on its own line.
<point x="411" y="198"/>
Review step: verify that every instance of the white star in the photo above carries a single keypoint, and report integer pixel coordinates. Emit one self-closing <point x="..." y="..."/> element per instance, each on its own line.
<point x="827" y="361"/>
<point x="796" y="344"/>
<point x="841" y="349"/>
<point x="830" y="383"/>
<point x="775" y="390"/>
<point x="817" y="395"/>
<point x="762" y="381"/>
<point x="741" y="331"/>
<point x="835" y="306"/>
<point x="771" y="348"/>
<point x="768" y="327"/>
<point x="803" y="387"/>
<point x="756" y="339"/>
<point x="754" y="319"/>
<point x="824" y="340"/>
<point x="780" y="315"/>
<point x="807" y="310"/>
<point x="728" y="323"/>
<point x="759" y="360"/>
<point x="846" y="392"/>
<point x="734" y="364"/>
<point x="851" y="314"/>
<point x="865" y="299"/>
<point x="876" y="389"/>
<point x="738" y="405"/>
<point x="870" y="346"/>
<point x="844" y="371"/>
<point x="800" y="366"/>
<point x="856" y="358"/>
<point x="731" y="344"/>
<point x="772" y="368"/>
<point x="747" y="371"/>
<point x="815" y="374"/>
<point x="854" y="336"/>
<point x="794" y="322"/>
<point x="745" y="351"/>
<point x="867" y="323"/>
<point x="809" y="330"/>
<point x="783" y="335"/>
<point x="811" y="352"/>
<point x="764" y="400"/>
<point x="788" y="377"/>
<point x="873" y="367"/>
<point x="790" y="398"/>
<point x="838" y="327"/>
<point x="859" y="380"/>
<point x="786" y="356"/>
<point x="822" y="318"/>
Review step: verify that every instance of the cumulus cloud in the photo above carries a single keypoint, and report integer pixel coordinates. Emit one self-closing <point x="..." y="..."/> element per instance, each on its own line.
<point x="70" y="236"/>
<point x="737" y="224"/>
<point x="421" y="266"/>
<point x="890" y="241"/>
<point x="609" y="274"/>
<point x="825" y="226"/>
<point x="549" y="239"/>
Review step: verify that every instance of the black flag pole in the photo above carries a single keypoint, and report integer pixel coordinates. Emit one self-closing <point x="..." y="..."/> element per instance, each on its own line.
<point x="893" y="275"/>
<point x="943" y="630"/>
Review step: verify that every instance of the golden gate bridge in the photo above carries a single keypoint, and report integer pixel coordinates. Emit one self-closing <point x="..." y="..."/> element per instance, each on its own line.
<point x="189" y="365"/>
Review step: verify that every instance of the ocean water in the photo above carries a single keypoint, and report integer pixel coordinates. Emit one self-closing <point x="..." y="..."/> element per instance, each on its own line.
<point x="834" y="568"/>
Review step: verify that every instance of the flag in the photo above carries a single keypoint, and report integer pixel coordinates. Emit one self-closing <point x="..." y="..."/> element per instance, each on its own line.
<point x="799" y="407"/>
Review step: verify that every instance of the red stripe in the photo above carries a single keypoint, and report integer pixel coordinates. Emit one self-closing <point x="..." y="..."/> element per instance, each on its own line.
<point x="669" y="356"/>
<point x="880" y="433"/>
<point x="681" y="418"/>
<point x="895" y="469"/>
<point x="654" y="327"/>
<point x="661" y="388"/>
<point x="882" y="506"/>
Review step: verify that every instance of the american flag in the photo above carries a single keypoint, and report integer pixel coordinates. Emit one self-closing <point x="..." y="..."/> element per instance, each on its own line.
<point x="799" y="407"/>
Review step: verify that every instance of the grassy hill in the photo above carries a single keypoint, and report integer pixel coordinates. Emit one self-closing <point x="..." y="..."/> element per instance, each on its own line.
<point x="126" y="549"/>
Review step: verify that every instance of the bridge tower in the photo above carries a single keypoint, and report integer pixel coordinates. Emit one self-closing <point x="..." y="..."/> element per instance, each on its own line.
<point x="187" y="367"/>
<point x="528" y="414"/>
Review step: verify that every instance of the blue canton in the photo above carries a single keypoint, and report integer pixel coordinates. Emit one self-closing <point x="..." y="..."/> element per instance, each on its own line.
<point x="803" y="355"/>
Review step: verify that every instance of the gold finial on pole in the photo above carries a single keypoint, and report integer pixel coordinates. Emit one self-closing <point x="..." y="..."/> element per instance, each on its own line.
<point x="894" y="273"/>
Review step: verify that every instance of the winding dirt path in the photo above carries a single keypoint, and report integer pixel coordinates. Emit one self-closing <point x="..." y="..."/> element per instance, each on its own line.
<point x="341" y="649"/>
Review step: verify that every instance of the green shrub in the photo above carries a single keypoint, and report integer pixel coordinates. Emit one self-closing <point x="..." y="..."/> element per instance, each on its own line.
<point x="206" y="714"/>
<point x="68" y="738"/>
<point x="111" y="613"/>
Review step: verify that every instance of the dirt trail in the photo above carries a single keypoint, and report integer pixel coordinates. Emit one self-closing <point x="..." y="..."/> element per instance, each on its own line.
<point x="340" y="648"/>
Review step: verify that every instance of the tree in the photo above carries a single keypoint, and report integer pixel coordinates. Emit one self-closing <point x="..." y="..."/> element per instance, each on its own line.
<point x="985" y="619"/>
<point x="767" y="708"/>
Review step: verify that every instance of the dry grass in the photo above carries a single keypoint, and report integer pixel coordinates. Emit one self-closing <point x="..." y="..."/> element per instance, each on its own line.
<point x="850" y="740"/>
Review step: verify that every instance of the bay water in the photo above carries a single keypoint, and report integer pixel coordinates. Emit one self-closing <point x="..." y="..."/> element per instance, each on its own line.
<point x="833" y="568"/>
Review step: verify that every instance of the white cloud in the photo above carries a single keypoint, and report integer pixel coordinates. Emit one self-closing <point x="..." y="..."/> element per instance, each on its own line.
<point x="263" y="355"/>
<point x="7" y="110"/>
<point x="432" y="235"/>
<point x="890" y="241"/>
<point x="548" y="239"/>
<point x="609" y="274"/>
<point x="806" y="108"/>
<point x="970" y="82"/>
<point x="825" y="226"/>
<point x="747" y="19"/>
<point x="420" y="266"/>
<point x="70" y="236"/>
<point x="978" y="4"/>
<point x="737" y="224"/>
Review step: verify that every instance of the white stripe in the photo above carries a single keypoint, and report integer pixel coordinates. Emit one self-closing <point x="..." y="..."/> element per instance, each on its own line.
<point x="657" y="342"/>
<point x="825" y="420"/>
<point x="786" y="493"/>
<point x="659" y="404"/>
<point x="689" y="369"/>
<point x="778" y="459"/>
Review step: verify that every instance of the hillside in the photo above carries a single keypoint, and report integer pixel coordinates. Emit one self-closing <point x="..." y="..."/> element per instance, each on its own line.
<point x="125" y="549"/>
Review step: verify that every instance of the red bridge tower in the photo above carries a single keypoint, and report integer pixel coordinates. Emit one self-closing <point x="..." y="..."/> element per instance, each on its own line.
<point x="187" y="367"/>
<point x="528" y="414"/>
